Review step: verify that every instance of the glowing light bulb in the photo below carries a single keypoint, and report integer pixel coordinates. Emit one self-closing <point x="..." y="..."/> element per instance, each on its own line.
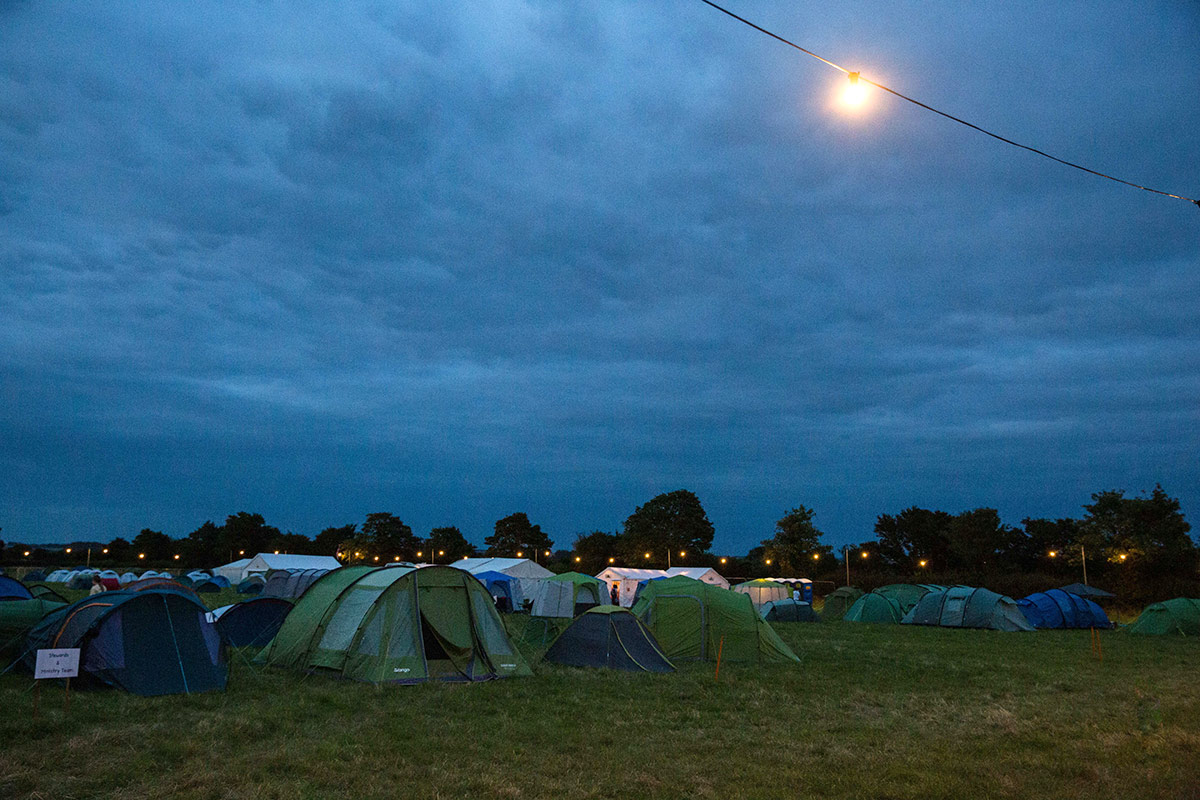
<point x="854" y="93"/>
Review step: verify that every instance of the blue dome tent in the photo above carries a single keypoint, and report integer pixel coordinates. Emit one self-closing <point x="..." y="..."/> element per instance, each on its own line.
<point x="151" y="642"/>
<point x="1058" y="609"/>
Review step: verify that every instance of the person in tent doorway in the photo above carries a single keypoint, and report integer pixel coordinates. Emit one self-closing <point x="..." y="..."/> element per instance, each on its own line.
<point x="614" y="595"/>
<point x="796" y="594"/>
<point x="97" y="586"/>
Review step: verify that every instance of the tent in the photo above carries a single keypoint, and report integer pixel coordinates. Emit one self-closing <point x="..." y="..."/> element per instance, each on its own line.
<point x="1178" y="616"/>
<point x="763" y="591"/>
<point x="207" y="586"/>
<point x="291" y="584"/>
<point x="234" y="571"/>
<point x="838" y="602"/>
<point x="907" y="595"/>
<point x="505" y="589"/>
<point x="32" y="577"/>
<point x="608" y="636"/>
<point x="397" y="625"/>
<point x="58" y="576"/>
<point x="266" y="562"/>
<point x="151" y="642"/>
<point x="252" y="585"/>
<point x="1058" y="609"/>
<point x="163" y="584"/>
<point x="16" y="618"/>
<point x="250" y="623"/>
<point x="568" y="595"/>
<point x="221" y="581"/>
<point x="128" y="577"/>
<point x="876" y="608"/>
<point x="80" y="579"/>
<point x="13" y="589"/>
<point x="41" y="592"/>
<point x="966" y="607"/>
<point x="528" y="574"/>
<point x="706" y="574"/>
<point x="628" y="580"/>
<point x="1091" y="592"/>
<point x="693" y="620"/>
<point x="788" y="610"/>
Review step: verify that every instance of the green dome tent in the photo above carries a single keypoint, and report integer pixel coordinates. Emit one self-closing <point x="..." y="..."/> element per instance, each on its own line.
<point x="612" y="637"/>
<point x="1178" y="616"/>
<point x="693" y="621"/>
<point x="838" y="602"/>
<point x="397" y="625"/>
<point x="763" y="591"/>
<point x="875" y="608"/>
<point x="966" y="607"/>
<point x="907" y="595"/>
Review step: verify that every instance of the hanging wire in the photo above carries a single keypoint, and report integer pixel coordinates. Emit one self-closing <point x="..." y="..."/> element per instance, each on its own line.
<point x="997" y="136"/>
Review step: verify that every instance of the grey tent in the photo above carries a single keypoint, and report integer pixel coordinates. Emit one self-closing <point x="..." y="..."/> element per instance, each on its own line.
<point x="965" y="607"/>
<point x="788" y="610"/>
<point x="612" y="637"/>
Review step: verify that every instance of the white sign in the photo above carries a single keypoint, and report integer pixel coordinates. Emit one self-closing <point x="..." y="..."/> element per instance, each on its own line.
<point x="62" y="663"/>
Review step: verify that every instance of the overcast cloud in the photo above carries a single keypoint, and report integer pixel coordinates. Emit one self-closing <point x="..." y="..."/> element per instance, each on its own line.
<point x="454" y="260"/>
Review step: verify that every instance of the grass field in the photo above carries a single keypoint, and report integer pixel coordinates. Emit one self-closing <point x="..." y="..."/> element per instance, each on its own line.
<point x="871" y="712"/>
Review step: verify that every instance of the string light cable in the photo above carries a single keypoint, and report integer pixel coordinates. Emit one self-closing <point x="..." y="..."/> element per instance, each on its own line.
<point x="856" y="77"/>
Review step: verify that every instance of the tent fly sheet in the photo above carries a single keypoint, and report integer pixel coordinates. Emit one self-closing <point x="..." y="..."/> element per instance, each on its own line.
<point x="397" y="625"/>
<point x="966" y="607"/>
<point x="693" y="620"/>
<point x="610" y="637"/>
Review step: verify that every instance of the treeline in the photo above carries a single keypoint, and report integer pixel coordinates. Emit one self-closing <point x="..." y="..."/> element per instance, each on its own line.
<point x="1121" y="541"/>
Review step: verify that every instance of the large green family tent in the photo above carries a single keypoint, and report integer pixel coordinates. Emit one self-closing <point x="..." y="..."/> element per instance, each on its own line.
<point x="788" y="611"/>
<point x="967" y="607"/>
<point x="1178" y="616"/>
<point x="763" y="591"/>
<point x="693" y="620"/>
<point x="612" y="637"/>
<point x="397" y="624"/>
<point x="150" y="642"/>
<point x="567" y="595"/>
<point x="838" y="602"/>
<point x="17" y="617"/>
<point x="875" y="608"/>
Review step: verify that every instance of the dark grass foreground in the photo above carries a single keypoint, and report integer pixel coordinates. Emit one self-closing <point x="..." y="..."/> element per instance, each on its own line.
<point x="871" y="712"/>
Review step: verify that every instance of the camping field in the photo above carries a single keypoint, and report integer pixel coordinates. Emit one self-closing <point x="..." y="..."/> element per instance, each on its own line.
<point x="871" y="712"/>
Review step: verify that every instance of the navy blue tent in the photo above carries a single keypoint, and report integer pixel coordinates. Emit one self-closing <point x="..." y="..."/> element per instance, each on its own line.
<point x="501" y="586"/>
<point x="221" y="581"/>
<point x="13" y="589"/>
<point x="33" y="577"/>
<point x="207" y="585"/>
<point x="251" y="623"/>
<point x="1058" y="609"/>
<point x="150" y="642"/>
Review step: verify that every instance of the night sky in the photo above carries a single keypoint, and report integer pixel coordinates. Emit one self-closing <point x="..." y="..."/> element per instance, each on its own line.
<point x="455" y="260"/>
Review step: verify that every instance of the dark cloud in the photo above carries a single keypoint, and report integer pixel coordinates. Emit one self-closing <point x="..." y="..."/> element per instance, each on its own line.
<point x="453" y="261"/>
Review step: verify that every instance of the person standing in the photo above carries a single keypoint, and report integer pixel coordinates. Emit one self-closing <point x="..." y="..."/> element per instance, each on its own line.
<point x="615" y="595"/>
<point x="97" y="586"/>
